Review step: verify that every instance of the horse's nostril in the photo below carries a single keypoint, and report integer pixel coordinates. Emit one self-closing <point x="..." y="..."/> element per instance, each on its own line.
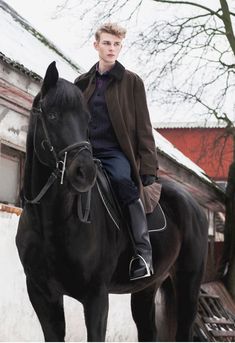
<point x="80" y="173"/>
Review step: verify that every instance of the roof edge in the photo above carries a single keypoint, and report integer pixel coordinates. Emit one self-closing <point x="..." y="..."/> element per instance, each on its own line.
<point x="17" y="17"/>
<point x="19" y="66"/>
<point x="206" y="124"/>
<point x="204" y="178"/>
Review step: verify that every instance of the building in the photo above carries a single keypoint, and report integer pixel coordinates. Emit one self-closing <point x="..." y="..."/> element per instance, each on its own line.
<point x="208" y="145"/>
<point x="24" y="57"/>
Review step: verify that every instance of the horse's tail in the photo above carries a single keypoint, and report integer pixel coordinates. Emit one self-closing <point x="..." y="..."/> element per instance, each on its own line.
<point x="188" y="215"/>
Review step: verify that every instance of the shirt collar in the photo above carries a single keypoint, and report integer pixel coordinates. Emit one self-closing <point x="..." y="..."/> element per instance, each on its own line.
<point x="106" y="73"/>
<point x="117" y="71"/>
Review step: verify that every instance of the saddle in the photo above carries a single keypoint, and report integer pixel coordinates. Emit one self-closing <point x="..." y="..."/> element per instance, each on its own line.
<point x="156" y="220"/>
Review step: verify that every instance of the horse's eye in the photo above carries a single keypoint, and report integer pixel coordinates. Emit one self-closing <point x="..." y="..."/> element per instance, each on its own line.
<point x="52" y="116"/>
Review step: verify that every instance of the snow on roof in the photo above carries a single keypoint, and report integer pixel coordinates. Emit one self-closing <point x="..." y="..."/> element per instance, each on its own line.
<point x="189" y="125"/>
<point x="166" y="147"/>
<point x="22" y="44"/>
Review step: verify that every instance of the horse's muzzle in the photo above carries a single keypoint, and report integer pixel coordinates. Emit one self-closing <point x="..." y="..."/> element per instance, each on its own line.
<point x="81" y="173"/>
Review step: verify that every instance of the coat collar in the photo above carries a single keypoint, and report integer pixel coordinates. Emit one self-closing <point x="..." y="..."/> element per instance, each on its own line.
<point x="117" y="71"/>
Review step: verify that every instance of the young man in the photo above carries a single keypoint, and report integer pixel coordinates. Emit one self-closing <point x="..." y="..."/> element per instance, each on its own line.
<point x="121" y="135"/>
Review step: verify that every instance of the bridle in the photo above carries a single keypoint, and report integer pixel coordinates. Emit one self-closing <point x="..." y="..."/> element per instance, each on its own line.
<point x="59" y="158"/>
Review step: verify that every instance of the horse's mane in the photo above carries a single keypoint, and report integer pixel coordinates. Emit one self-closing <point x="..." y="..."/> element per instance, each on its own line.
<point x="65" y="95"/>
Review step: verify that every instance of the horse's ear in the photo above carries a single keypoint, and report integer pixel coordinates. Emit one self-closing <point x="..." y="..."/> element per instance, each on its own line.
<point x="50" y="79"/>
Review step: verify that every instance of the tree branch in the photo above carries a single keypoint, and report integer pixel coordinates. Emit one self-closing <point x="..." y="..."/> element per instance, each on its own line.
<point x="228" y="24"/>
<point x="216" y="13"/>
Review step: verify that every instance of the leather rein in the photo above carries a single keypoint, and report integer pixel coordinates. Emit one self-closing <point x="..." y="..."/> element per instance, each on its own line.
<point x="60" y="164"/>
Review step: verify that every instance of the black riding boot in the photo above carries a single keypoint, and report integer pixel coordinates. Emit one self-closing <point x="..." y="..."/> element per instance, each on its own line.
<point x="141" y="264"/>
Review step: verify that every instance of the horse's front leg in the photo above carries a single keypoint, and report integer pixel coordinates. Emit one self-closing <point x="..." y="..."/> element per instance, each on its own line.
<point x="96" y="306"/>
<point x="50" y="312"/>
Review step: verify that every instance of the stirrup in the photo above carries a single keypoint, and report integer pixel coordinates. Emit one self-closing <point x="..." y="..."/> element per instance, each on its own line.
<point x="149" y="270"/>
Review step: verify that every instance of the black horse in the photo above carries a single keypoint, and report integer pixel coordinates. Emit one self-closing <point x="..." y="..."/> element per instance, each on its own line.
<point x="64" y="251"/>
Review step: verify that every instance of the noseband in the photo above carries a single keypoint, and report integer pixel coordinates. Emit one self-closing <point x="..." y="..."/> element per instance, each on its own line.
<point x="60" y="158"/>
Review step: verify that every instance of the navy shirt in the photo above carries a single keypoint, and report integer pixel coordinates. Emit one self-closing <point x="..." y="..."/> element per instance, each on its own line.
<point x="102" y="135"/>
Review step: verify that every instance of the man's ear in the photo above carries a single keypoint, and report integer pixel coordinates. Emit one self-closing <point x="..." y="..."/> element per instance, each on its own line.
<point x="95" y="45"/>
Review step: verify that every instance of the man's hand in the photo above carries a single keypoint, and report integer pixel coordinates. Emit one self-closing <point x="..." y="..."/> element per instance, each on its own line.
<point x="148" y="179"/>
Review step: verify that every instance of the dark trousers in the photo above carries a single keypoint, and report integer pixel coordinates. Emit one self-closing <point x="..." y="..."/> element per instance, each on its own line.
<point x="118" y="169"/>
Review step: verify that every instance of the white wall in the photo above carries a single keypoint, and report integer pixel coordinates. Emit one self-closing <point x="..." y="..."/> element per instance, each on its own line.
<point x="18" y="321"/>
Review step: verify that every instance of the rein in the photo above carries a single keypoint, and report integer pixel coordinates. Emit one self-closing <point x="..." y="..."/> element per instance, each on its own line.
<point x="60" y="164"/>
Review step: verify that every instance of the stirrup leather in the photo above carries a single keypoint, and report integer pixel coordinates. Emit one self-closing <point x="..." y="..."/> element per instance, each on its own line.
<point x="148" y="273"/>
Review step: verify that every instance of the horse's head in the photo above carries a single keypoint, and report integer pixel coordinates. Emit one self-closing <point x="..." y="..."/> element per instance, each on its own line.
<point x="60" y="118"/>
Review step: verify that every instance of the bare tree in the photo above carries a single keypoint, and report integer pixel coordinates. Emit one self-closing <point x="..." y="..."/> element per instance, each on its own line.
<point x="206" y="41"/>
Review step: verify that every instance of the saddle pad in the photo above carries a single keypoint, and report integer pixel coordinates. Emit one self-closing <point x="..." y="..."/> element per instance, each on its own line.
<point x="156" y="220"/>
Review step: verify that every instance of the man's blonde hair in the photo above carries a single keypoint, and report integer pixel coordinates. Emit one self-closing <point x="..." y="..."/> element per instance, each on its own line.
<point x="112" y="28"/>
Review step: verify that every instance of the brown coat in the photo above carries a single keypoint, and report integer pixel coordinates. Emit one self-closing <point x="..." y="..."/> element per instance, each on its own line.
<point x="127" y="107"/>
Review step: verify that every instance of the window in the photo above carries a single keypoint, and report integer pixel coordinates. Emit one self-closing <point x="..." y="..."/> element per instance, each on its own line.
<point x="11" y="172"/>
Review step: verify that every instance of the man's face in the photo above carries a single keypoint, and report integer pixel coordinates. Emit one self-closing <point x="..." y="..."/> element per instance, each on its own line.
<point x="108" y="47"/>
